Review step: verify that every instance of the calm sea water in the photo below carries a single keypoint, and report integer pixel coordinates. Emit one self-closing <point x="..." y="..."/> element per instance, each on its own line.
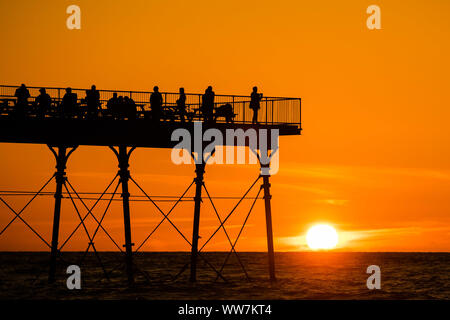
<point x="299" y="276"/>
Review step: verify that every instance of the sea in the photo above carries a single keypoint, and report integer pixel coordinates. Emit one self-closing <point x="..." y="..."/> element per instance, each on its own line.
<point x="165" y="276"/>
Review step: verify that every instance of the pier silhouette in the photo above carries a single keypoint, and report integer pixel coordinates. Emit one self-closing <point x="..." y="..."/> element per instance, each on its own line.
<point x="65" y="118"/>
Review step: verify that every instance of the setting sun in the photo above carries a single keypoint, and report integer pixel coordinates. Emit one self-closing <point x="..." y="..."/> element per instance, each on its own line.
<point x="322" y="236"/>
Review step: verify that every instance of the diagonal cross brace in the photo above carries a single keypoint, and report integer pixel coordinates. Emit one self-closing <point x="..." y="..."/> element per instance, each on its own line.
<point x="90" y="213"/>
<point x="240" y="232"/>
<point x="221" y="225"/>
<point x="226" y="234"/>
<point x="26" y="205"/>
<point x="91" y="241"/>
<point x="176" y="228"/>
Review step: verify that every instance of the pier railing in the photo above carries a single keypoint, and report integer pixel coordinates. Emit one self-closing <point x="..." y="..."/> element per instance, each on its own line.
<point x="273" y="111"/>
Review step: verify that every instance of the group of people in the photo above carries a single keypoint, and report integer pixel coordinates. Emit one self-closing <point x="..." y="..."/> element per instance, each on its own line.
<point x="206" y="108"/>
<point x="123" y="107"/>
<point x="207" y="105"/>
<point x="69" y="106"/>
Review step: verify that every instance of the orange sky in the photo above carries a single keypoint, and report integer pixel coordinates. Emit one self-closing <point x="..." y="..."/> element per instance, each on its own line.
<point x="374" y="157"/>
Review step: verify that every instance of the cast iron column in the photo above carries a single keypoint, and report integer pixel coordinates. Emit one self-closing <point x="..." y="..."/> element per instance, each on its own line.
<point x="199" y="170"/>
<point x="124" y="175"/>
<point x="270" y="251"/>
<point x="60" y="177"/>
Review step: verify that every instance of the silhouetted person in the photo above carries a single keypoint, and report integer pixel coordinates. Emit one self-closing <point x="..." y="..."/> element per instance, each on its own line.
<point x="208" y="104"/>
<point x="181" y="105"/>
<point x="156" y="102"/>
<point x="112" y="105"/>
<point x="130" y="108"/>
<point x="121" y="107"/>
<point x="92" y="101"/>
<point x="255" y="104"/>
<point x="69" y="103"/>
<point x="22" y="94"/>
<point x="43" y="103"/>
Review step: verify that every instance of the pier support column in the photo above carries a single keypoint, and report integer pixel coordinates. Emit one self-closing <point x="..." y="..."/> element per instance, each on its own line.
<point x="199" y="170"/>
<point x="123" y="157"/>
<point x="268" y="209"/>
<point x="60" y="177"/>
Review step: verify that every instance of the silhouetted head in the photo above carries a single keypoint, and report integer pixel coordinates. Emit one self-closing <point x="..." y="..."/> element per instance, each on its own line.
<point x="209" y="89"/>
<point x="23" y="85"/>
<point x="93" y="87"/>
<point x="155" y="88"/>
<point x="255" y="89"/>
<point x="115" y="95"/>
<point x="69" y="90"/>
<point x="120" y="99"/>
<point x="42" y="90"/>
<point x="126" y="98"/>
<point x="181" y="90"/>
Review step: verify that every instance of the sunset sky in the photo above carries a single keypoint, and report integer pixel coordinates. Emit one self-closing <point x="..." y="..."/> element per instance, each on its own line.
<point x="373" y="159"/>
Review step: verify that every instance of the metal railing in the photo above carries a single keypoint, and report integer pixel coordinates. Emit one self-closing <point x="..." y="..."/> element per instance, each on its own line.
<point x="273" y="110"/>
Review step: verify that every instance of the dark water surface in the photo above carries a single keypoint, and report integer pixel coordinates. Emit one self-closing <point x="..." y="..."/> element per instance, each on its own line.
<point x="300" y="276"/>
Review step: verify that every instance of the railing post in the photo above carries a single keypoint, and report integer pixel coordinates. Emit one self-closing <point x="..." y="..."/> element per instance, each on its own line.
<point x="272" y="112"/>
<point x="300" y="112"/>
<point x="267" y="110"/>
<point x="233" y="104"/>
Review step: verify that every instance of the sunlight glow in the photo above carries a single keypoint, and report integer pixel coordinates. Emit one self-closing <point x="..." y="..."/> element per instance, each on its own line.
<point x="322" y="236"/>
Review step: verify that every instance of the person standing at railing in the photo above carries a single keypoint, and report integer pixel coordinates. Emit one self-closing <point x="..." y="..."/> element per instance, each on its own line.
<point x="181" y="105"/>
<point x="255" y="104"/>
<point x="93" y="102"/>
<point x="130" y="108"/>
<point x="43" y="103"/>
<point x="156" y="102"/>
<point x="69" y="103"/>
<point x="120" y="110"/>
<point x="208" y="104"/>
<point x="112" y="105"/>
<point x="22" y="94"/>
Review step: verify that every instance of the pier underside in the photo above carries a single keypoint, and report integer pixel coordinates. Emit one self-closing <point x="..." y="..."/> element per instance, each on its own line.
<point x="109" y="132"/>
